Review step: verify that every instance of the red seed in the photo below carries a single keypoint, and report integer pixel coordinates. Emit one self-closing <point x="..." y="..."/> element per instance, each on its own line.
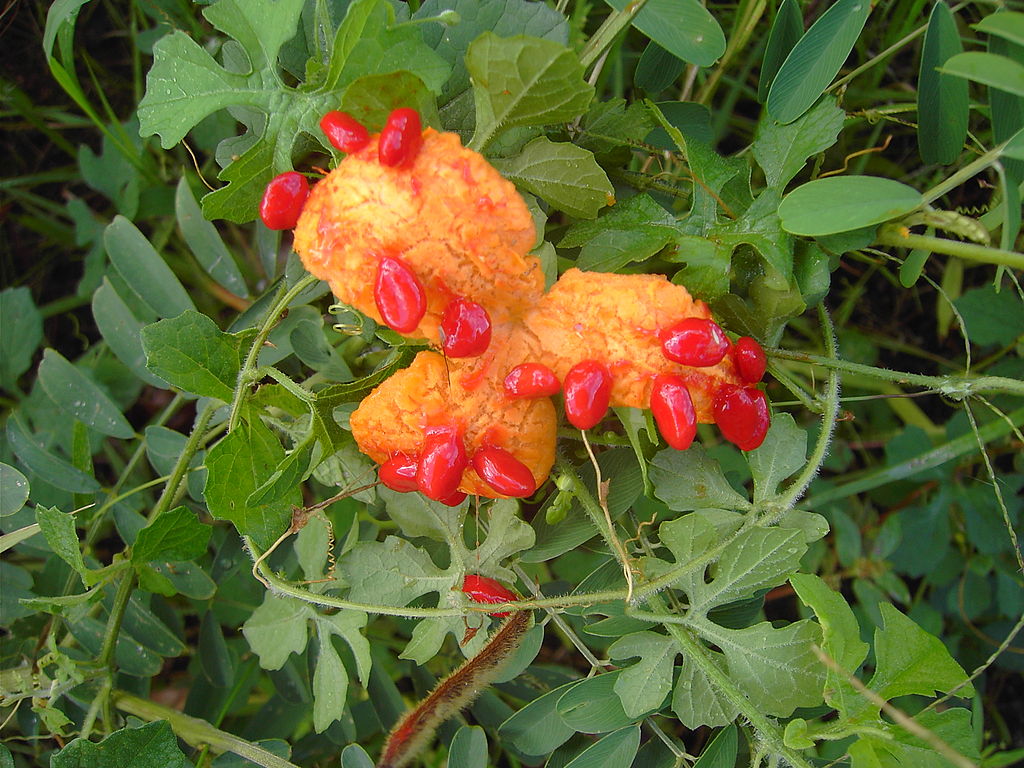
<point x="695" y="341"/>
<point x="750" y="359"/>
<point x="481" y="589"/>
<point x="465" y="329"/>
<point x="442" y="463"/>
<point x="399" y="473"/>
<point x="400" y="139"/>
<point x="454" y="500"/>
<point x="399" y="295"/>
<point x="504" y="472"/>
<point x="531" y="380"/>
<point x="673" y="411"/>
<point x="283" y="200"/>
<point x="344" y="132"/>
<point x="588" y="389"/>
<point x="742" y="415"/>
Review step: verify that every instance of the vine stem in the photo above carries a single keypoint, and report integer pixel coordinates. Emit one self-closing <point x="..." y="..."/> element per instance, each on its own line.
<point x="898" y="236"/>
<point x="181" y="465"/>
<point x="955" y="386"/>
<point x="696" y="653"/>
<point x="245" y="375"/>
<point x="198" y="732"/>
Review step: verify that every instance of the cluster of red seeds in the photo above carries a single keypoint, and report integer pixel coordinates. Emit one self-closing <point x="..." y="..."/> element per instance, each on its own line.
<point x="436" y="466"/>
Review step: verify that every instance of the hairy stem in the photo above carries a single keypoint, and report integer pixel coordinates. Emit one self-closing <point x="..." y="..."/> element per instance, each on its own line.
<point x="900" y="237"/>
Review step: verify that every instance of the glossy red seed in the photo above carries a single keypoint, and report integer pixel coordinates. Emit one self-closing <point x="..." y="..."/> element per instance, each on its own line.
<point x="481" y="589"/>
<point x="400" y="139"/>
<point x="442" y="463"/>
<point x="399" y="473"/>
<point x="742" y="415"/>
<point x="283" y="200"/>
<point x="673" y="411"/>
<point x="344" y="132"/>
<point x="399" y="295"/>
<point x="588" y="389"/>
<point x="504" y="472"/>
<point x="454" y="500"/>
<point x="695" y="341"/>
<point x="750" y="359"/>
<point x="465" y="329"/>
<point x="531" y="380"/>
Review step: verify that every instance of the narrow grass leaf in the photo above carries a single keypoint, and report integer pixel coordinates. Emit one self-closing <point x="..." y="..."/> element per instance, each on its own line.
<point x="787" y="29"/>
<point x="843" y="203"/>
<point x="816" y="59"/>
<point x="76" y="394"/>
<point x="144" y="270"/>
<point x="684" y="28"/>
<point x="205" y="242"/>
<point x="942" y="100"/>
<point x="991" y="69"/>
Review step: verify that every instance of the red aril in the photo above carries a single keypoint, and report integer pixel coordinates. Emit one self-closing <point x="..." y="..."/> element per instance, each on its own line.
<point x="465" y="329"/>
<point x="531" y="380"/>
<point x="442" y="462"/>
<point x="344" y="132"/>
<point x="454" y="500"/>
<point x="399" y="295"/>
<point x="504" y="472"/>
<point x="283" y="200"/>
<point x="750" y="359"/>
<point x="673" y="411"/>
<point x="399" y="473"/>
<point x="742" y="415"/>
<point x="481" y="589"/>
<point x="400" y="138"/>
<point x="694" y="341"/>
<point x="588" y="389"/>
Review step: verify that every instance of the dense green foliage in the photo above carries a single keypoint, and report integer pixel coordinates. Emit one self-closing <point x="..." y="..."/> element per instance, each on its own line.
<point x="198" y="568"/>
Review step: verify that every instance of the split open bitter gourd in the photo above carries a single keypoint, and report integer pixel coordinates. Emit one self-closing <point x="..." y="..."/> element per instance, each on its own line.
<point x="424" y="236"/>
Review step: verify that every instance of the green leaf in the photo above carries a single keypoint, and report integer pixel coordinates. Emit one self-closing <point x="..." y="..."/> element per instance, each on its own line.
<point x="840" y="636"/>
<point x="759" y="226"/>
<point x="77" y="396"/>
<point x="643" y="686"/>
<point x="215" y="659"/>
<point x="816" y="58"/>
<point x="537" y="728"/>
<point x="657" y="69"/>
<point x="354" y="756"/>
<point x="122" y="331"/>
<point x="468" y="748"/>
<point x="23" y="332"/>
<point x="696" y="701"/>
<point x="691" y="119"/>
<point x="152" y="745"/>
<point x="59" y="529"/>
<point x="592" y="706"/>
<point x="205" y="242"/>
<point x="782" y="150"/>
<point x="690" y="479"/>
<point x="392" y="572"/>
<point x="175" y="535"/>
<point x="684" y="28"/>
<point x="523" y="81"/>
<point x="330" y="684"/>
<point x="239" y="464"/>
<point x="246" y="177"/>
<point x="991" y="317"/>
<point x="942" y="100"/>
<point x="277" y="629"/>
<point x="629" y="232"/>
<point x="373" y="97"/>
<point x="1008" y="25"/>
<point x="14" y="490"/>
<point x="721" y="752"/>
<point x="893" y="747"/>
<point x="143" y="270"/>
<point x="562" y="174"/>
<point x="844" y="203"/>
<point x="192" y="353"/>
<point x="617" y="748"/>
<point x="787" y="28"/>
<point x="776" y="668"/>
<point x="991" y="69"/>
<point x="909" y="660"/>
<point x="782" y="453"/>
<point x="41" y="462"/>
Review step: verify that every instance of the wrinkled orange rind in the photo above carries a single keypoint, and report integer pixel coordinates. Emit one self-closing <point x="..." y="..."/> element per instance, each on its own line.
<point x="465" y="232"/>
